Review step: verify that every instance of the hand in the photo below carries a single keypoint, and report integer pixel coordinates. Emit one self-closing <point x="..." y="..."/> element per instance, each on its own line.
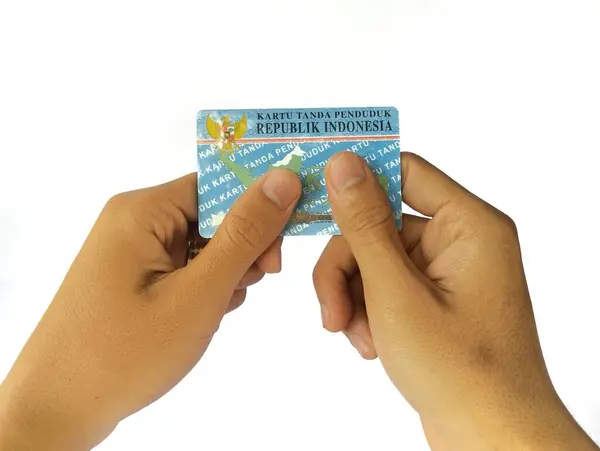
<point x="131" y="319"/>
<point x="445" y="306"/>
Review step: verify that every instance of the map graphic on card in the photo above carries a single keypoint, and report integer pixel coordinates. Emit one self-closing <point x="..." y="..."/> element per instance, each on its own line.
<point x="236" y="147"/>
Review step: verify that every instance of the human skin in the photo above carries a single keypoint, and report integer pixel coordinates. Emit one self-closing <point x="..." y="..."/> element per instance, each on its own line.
<point x="131" y="319"/>
<point x="445" y="306"/>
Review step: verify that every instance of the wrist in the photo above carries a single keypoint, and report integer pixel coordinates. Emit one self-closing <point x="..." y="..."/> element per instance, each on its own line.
<point x="552" y="428"/>
<point x="30" y="423"/>
<point x="549" y="427"/>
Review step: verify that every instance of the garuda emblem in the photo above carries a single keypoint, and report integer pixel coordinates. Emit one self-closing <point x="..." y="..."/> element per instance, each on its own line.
<point x="225" y="133"/>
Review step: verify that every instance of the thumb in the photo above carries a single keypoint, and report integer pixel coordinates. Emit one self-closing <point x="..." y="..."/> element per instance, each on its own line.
<point x="253" y="223"/>
<point x="363" y="213"/>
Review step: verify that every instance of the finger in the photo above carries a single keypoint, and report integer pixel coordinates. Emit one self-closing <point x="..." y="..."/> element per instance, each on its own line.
<point x="331" y="277"/>
<point x="254" y="275"/>
<point x="237" y="299"/>
<point x="253" y="223"/>
<point x="337" y="266"/>
<point x="412" y="231"/>
<point x="167" y="211"/>
<point x="270" y="261"/>
<point x="426" y="189"/>
<point x="183" y="194"/>
<point x="358" y="331"/>
<point x="359" y="335"/>
<point x="363" y="213"/>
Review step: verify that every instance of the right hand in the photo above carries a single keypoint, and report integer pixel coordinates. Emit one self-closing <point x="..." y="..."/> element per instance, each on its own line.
<point x="445" y="306"/>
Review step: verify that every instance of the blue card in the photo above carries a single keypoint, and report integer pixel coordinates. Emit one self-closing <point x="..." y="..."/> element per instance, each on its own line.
<point x="236" y="147"/>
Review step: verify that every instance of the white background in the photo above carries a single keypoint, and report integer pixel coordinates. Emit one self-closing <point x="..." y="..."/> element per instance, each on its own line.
<point x="101" y="97"/>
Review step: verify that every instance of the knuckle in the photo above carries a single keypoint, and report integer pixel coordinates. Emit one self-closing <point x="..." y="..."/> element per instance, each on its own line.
<point x="456" y="224"/>
<point x="121" y="210"/>
<point x="237" y="300"/>
<point x="317" y="275"/>
<point x="408" y="157"/>
<point x="488" y="222"/>
<point x="366" y="217"/>
<point x="407" y="160"/>
<point x="132" y="209"/>
<point x="242" y="233"/>
<point x="502" y="226"/>
<point x="508" y="224"/>
<point x="118" y="201"/>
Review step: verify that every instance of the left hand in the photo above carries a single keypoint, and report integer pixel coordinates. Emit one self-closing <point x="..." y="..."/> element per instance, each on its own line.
<point x="131" y="319"/>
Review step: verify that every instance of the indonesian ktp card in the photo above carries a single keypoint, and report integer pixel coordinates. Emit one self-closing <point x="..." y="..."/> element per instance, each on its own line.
<point x="236" y="147"/>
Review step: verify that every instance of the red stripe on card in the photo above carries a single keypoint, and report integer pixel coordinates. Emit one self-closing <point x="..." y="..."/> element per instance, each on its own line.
<point x="306" y="139"/>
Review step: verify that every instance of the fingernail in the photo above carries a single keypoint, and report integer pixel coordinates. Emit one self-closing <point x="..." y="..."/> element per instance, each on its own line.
<point x="282" y="187"/>
<point x="324" y="315"/>
<point x="360" y="344"/>
<point x="345" y="170"/>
